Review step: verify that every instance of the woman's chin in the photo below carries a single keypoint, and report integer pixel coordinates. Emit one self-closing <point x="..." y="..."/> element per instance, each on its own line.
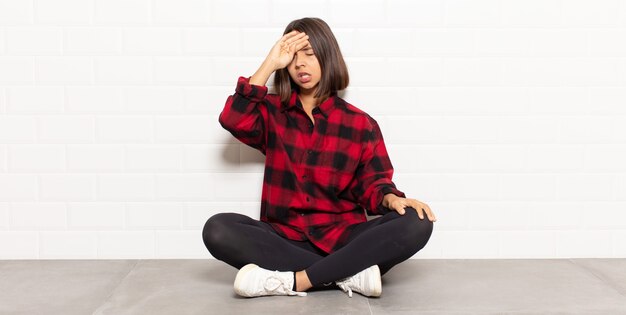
<point x="308" y="87"/>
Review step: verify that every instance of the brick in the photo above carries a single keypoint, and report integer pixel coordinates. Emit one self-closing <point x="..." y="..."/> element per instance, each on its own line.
<point x="372" y="42"/>
<point x="178" y="70"/>
<point x="16" y="12"/>
<point x="123" y="70"/>
<point x="93" y="40"/>
<point x="225" y="71"/>
<point x="415" y="13"/>
<point x="498" y="158"/>
<point x="181" y="12"/>
<point x="557" y="43"/>
<point x="69" y="245"/>
<point x="95" y="157"/>
<point x="191" y="129"/>
<point x="17" y="129"/>
<point x="460" y="71"/>
<point x="533" y="13"/>
<point x="470" y="187"/>
<point x="96" y="215"/>
<point x="154" y="99"/>
<point x="65" y="12"/>
<point x="35" y="99"/>
<point x="342" y="13"/>
<point x="501" y="42"/>
<point x="157" y="41"/>
<point x="17" y="70"/>
<point x="605" y="158"/>
<point x="126" y="187"/>
<point x="4" y="215"/>
<point x="66" y="128"/>
<point x="180" y="245"/>
<point x="185" y="187"/>
<point x="583" y="244"/>
<point x="124" y="129"/>
<point x="498" y="216"/>
<point x="195" y="214"/>
<point x="208" y="100"/>
<point x="18" y="187"/>
<point x="246" y="13"/>
<point x="248" y="186"/>
<point x="123" y="12"/>
<point x="126" y="244"/>
<point x="522" y="187"/>
<point x="584" y="187"/>
<point x="213" y="41"/>
<point x="39" y="215"/>
<point x="527" y="244"/>
<point x="34" y="40"/>
<point x="559" y="100"/>
<point x="443" y="42"/>
<point x="154" y="158"/>
<point x="42" y="158"/>
<point x="470" y="244"/>
<point x="64" y="70"/>
<point x="67" y="187"/>
<point x="211" y="158"/>
<point x="602" y="13"/>
<point x="94" y="99"/>
<point x="555" y="158"/>
<point x="19" y="245"/>
<point x="461" y="13"/>
<point x="604" y="216"/>
<point x="157" y="216"/>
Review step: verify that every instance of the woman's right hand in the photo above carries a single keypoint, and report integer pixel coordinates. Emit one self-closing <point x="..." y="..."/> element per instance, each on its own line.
<point x="285" y="48"/>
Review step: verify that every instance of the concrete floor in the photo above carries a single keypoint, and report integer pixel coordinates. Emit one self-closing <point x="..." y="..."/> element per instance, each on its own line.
<point x="552" y="286"/>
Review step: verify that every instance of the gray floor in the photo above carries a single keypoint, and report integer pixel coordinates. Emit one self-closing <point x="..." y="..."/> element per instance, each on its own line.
<point x="558" y="286"/>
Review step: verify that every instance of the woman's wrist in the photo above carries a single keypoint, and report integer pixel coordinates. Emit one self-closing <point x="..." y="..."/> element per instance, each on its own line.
<point x="263" y="74"/>
<point x="387" y="199"/>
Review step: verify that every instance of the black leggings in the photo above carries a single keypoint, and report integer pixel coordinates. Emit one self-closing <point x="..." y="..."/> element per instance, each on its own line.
<point x="384" y="241"/>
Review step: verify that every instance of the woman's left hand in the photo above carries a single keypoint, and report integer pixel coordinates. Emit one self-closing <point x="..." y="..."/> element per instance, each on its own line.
<point x="399" y="203"/>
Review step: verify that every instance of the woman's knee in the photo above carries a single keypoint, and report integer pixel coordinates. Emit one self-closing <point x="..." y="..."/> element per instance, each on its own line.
<point x="416" y="230"/>
<point x="216" y="229"/>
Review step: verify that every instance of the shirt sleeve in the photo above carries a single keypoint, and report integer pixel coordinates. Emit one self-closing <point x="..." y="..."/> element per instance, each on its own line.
<point x="245" y="114"/>
<point x="375" y="173"/>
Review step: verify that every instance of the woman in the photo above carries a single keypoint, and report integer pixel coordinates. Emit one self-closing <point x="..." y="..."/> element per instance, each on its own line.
<point x="326" y="162"/>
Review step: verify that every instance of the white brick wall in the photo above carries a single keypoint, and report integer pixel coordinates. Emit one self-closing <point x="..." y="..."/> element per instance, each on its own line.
<point x="507" y="117"/>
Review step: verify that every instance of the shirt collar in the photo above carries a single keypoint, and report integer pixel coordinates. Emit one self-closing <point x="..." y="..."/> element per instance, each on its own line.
<point x="325" y="107"/>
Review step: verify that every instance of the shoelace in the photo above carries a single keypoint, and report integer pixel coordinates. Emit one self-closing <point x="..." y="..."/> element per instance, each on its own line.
<point x="345" y="285"/>
<point x="275" y="282"/>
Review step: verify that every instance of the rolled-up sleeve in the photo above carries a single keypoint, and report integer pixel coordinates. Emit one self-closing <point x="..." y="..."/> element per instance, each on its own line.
<point x="375" y="172"/>
<point x="245" y="115"/>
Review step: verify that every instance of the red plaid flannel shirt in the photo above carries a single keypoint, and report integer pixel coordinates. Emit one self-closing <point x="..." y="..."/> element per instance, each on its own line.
<point x="319" y="177"/>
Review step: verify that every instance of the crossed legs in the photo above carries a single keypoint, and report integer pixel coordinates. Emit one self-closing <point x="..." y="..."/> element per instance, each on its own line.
<point x="384" y="241"/>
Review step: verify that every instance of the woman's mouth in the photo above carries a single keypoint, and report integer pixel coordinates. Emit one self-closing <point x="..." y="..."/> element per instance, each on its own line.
<point x="304" y="77"/>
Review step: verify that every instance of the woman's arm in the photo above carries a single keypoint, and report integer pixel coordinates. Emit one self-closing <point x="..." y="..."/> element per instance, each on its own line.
<point x="280" y="56"/>
<point x="244" y="114"/>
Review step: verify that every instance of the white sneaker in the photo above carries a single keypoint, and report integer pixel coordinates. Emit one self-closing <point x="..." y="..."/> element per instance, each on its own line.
<point x="253" y="280"/>
<point x="366" y="282"/>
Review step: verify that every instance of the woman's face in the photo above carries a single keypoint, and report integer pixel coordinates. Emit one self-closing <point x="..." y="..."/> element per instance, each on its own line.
<point x="305" y="70"/>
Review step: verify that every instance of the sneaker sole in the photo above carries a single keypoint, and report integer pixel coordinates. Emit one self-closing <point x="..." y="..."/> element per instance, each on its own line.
<point x="376" y="283"/>
<point x="241" y="275"/>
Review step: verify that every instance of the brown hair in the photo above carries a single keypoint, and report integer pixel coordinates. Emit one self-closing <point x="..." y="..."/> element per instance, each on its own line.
<point x="334" y="71"/>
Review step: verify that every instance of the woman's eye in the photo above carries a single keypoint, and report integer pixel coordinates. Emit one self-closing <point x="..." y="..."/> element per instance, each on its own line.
<point x="310" y="54"/>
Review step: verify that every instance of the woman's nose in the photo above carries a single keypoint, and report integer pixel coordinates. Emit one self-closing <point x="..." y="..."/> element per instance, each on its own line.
<point x="298" y="61"/>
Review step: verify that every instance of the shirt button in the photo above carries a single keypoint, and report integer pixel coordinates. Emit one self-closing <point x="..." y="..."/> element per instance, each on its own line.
<point x="308" y="199"/>
<point x="309" y="152"/>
